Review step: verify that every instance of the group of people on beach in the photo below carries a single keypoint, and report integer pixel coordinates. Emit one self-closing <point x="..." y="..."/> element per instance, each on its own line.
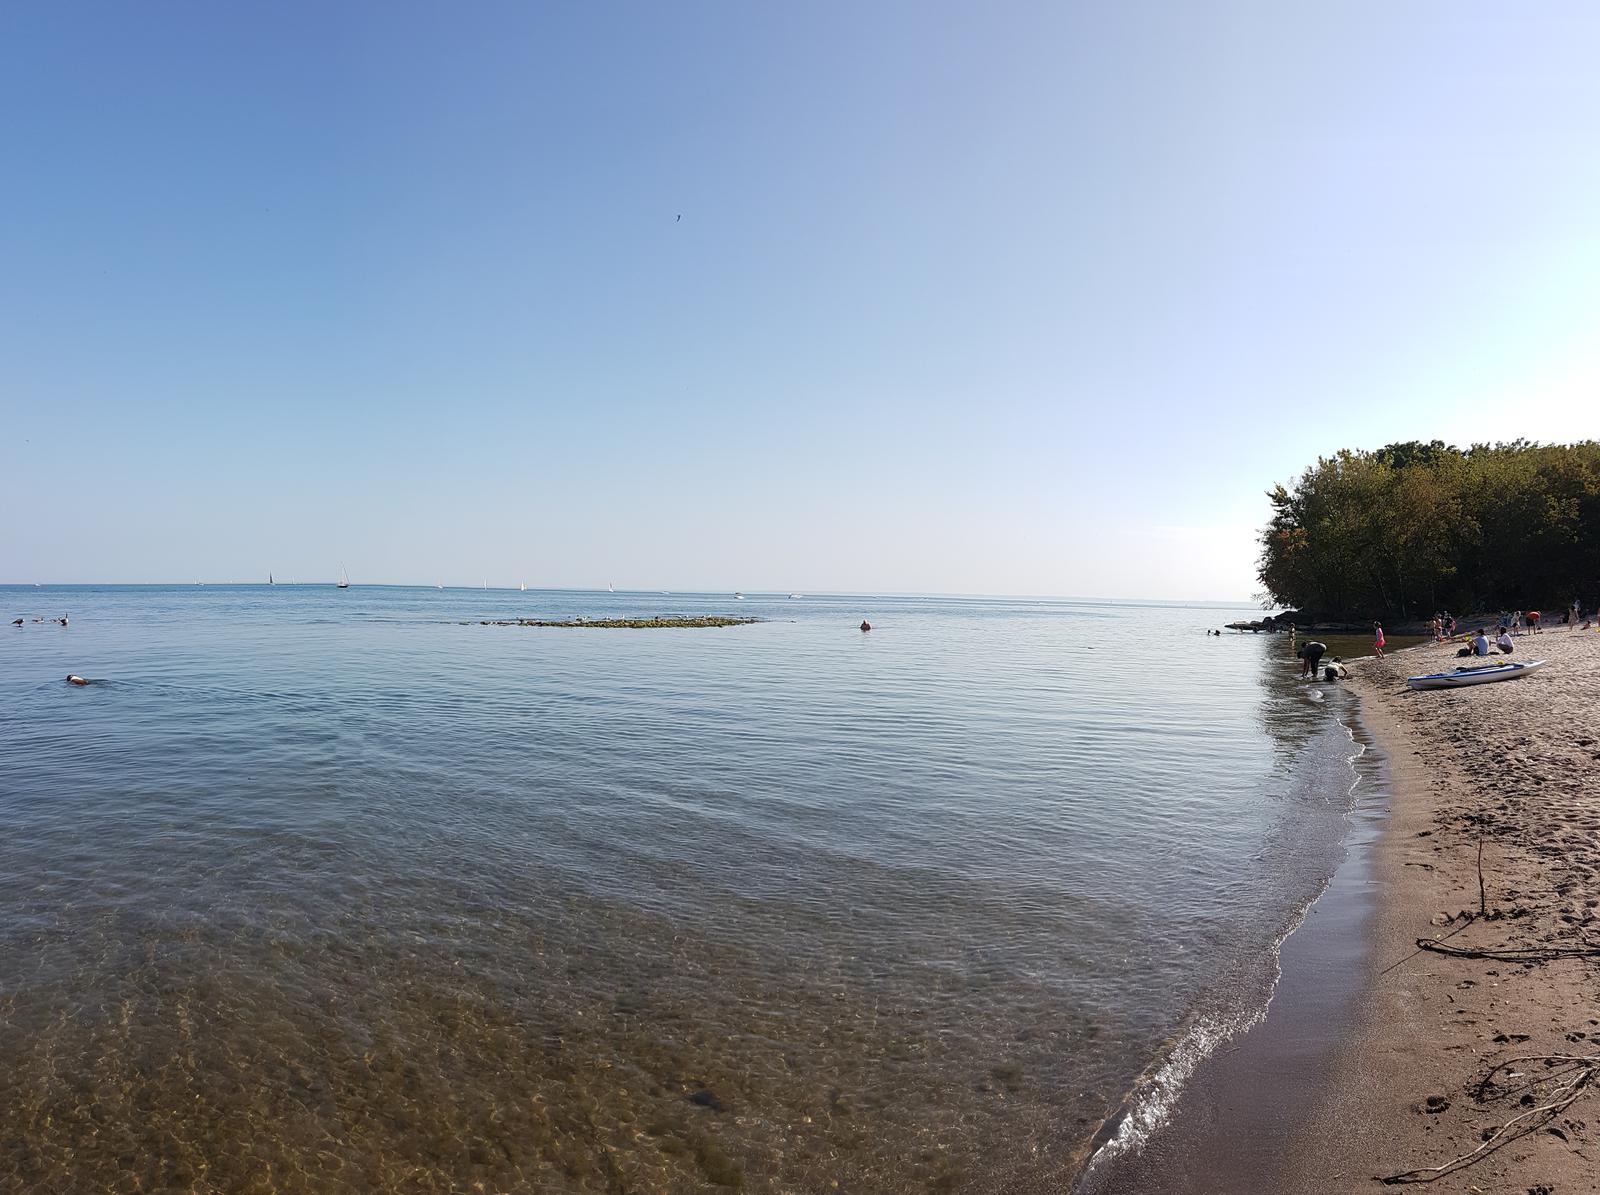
<point x="1480" y="644"/>
<point x="1515" y="622"/>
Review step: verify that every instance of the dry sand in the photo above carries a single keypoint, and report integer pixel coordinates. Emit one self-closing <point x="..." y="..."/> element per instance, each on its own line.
<point x="1514" y="765"/>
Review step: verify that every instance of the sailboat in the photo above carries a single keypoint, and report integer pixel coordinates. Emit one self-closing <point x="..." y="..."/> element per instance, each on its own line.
<point x="269" y="578"/>
<point x="524" y="587"/>
<point x="610" y="587"/>
<point x="344" y="577"/>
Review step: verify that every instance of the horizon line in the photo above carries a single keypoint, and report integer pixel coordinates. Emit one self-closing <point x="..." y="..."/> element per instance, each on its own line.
<point x="843" y="593"/>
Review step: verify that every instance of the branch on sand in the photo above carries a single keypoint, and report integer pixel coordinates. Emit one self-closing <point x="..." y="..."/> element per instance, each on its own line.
<point x="1515" y="954"/>
<point x="1572" y="1073"/>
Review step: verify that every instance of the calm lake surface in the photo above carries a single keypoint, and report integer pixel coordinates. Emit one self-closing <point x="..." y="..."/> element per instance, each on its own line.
<point x="325" y="890"/>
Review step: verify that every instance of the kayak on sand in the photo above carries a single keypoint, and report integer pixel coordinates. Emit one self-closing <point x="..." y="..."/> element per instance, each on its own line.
<point x="1481" y="675"/>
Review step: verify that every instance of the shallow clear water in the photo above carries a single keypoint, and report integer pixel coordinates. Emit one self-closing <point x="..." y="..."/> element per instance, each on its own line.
<point x="345" y="890"/>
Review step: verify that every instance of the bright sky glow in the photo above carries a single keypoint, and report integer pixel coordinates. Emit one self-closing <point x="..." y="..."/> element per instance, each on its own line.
<point x="1001" y="298"/>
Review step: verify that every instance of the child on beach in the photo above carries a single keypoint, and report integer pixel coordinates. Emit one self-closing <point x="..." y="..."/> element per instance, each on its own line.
<point x="1377" y="643"/>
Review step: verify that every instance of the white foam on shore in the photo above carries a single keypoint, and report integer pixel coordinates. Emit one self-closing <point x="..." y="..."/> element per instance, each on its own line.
<point x="1150" y="1106"/>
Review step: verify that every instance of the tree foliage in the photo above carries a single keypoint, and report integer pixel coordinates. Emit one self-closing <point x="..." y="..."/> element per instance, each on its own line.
<point x="1414" y="528"/>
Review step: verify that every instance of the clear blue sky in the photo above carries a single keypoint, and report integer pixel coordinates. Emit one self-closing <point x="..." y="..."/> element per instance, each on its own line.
<point x="999" y="298"/>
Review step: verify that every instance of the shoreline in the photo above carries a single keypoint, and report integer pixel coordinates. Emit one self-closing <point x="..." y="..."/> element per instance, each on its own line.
<point x="1514" y="767"/>
<point x="1230" y="1118"/>
<point x="1320" y="1096"/>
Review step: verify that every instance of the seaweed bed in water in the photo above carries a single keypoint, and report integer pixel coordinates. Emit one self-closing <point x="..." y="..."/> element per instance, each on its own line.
<point x="616" y="623"/>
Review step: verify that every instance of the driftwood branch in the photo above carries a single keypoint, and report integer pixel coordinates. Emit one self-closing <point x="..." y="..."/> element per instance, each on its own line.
<point x="1515" y="954"/>
<point x="1483" y="902"/>
<point x="1583" y="1071"/>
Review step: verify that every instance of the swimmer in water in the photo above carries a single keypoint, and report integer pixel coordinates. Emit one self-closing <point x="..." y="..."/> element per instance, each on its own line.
<point x="865" y="625"/>
<point x="74" y="679"/>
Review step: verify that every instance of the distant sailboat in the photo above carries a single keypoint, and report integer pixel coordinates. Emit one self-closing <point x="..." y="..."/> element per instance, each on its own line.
<point x="610" y="587"/>
<point x="524" y="587"/>
<point x="739" y="596"/>
<point x="269" y="578"/>
<point x="344" y="577"/>
<point x="797" y="595"/>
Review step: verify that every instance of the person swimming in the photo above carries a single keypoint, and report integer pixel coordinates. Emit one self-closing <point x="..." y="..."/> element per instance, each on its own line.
<point x="865" y="625"/>
<point x="74" y="679"/>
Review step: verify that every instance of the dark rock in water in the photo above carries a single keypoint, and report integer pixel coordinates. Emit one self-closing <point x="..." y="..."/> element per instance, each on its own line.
<point x="705" y="1099"/>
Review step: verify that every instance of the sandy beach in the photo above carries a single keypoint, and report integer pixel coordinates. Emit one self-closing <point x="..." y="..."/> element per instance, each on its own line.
<point x="1476" y="1071"/>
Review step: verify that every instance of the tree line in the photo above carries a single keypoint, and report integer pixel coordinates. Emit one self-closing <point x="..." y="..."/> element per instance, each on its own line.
<point x="1411" y="529"/>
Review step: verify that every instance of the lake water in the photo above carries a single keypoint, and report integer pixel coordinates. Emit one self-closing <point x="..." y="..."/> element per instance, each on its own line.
<point x="321" y="889"/>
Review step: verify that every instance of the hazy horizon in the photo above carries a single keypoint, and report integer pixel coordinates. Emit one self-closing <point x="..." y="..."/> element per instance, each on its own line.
<point x="623" y="591"/>
<point x="1037" y="299"/>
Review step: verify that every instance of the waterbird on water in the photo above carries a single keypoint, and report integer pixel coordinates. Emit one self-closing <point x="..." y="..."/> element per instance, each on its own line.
<point x="74" y="679"/>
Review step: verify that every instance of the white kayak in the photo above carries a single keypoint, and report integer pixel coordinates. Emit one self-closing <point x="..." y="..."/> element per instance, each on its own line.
<point x="1482" y="674"/>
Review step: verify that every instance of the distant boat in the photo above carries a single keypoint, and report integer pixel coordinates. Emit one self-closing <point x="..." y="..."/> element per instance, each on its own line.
<point x="344" y="577"/>
<point x="524" y="587"/>
<point x="740" y="596"/>
<point x="438" y="586"/>
<point x="269" y="578"/>
<point x="797" y="595"/>
<point x="610" y="587"/>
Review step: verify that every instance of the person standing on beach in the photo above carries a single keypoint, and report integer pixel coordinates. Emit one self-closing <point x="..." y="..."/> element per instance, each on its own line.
<point x="1377" y="642"/>
<point x="1533" y="622"/>
<point x="1311" y="655"/>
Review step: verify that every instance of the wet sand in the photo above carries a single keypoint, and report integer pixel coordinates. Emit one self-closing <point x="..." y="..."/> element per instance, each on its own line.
<point x="1515" y="766"/>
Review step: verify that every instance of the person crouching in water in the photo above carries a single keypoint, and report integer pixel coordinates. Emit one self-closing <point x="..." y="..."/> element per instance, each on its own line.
<point x="1310" y="654"/>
